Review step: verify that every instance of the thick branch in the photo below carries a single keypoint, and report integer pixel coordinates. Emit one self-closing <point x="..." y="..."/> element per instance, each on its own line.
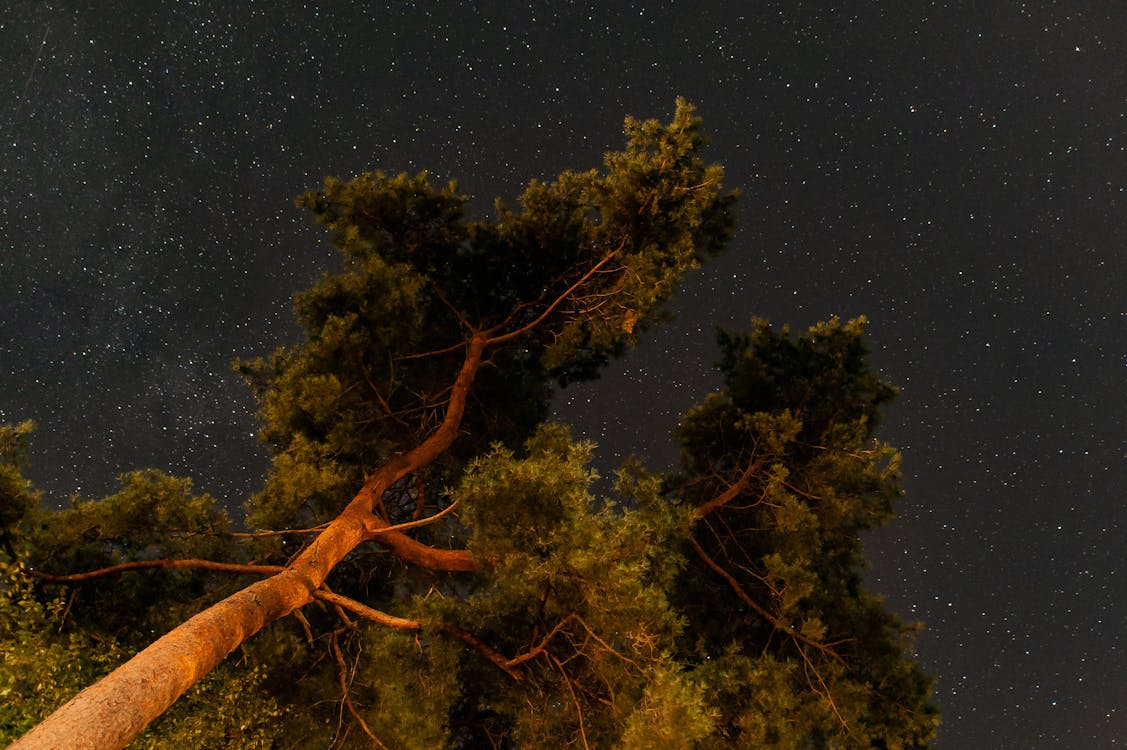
<point x="361" y="506"/>
<point x="733" y="491"/>
<point x="368" y="613"/>
<point x="415" y="552"/>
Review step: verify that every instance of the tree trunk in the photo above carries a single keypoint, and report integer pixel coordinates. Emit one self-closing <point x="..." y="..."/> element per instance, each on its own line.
<point x="111" y="712"/>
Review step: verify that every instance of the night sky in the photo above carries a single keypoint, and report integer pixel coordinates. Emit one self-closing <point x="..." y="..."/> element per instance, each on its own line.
<point x="955" y="171"/>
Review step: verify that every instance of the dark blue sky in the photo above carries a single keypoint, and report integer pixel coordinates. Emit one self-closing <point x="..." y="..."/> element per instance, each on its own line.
<point x="957" y="173"/>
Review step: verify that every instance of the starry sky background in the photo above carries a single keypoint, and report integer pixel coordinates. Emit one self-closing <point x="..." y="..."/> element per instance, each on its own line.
<point x="956" y="171"/>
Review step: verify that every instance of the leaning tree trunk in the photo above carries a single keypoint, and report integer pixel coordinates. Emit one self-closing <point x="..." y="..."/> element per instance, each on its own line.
<point x="111" y="712"/>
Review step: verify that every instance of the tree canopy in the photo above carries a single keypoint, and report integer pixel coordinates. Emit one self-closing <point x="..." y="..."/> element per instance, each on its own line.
<point x="431" y="562"/>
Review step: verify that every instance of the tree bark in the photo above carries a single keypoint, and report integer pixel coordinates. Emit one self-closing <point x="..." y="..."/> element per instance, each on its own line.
<point x="111" y="712"/>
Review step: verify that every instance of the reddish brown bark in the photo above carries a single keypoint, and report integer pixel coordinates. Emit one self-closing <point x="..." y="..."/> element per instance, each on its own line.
<point x="733" y="491"/>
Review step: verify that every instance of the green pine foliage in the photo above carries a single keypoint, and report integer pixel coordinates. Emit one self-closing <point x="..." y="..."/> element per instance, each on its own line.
<point x="152" y="517"/>
<point x="720" y="606"/>
<point x="17" y="497"/>
<point x="40" y="667"/>
<point x="799" y="412"/>
<point x="55" y="640"/>
<point x="45" y="659"/>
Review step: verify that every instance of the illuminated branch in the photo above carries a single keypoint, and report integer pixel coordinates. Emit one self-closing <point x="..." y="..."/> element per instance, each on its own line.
<point x="558" y="301"/>
<point x="807" y="495"/>
<point x="808" y="667"/>
<point x="304" y="625"/>
<point x="414" y="524"/>
<point x="607" y="647"/>
<point x="143" y="564"/>
<point x="401" y="623"/>
<point x="484" y="649"/>
<point x="363" y="610"/>
<point x="438" y="441"/>
<point x="733" y="490"/>
<point x="250" y="534"/>
<point x="539" y="648"/>
<point x="433" y="353"/>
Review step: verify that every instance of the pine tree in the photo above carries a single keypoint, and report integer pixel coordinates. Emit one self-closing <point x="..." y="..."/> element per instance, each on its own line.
<point x="436" y="569"/>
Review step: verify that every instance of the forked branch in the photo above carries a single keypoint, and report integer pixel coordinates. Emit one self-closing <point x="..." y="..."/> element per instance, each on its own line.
<point x="402" y="623"/>
<point x="505" y="337"/>
<point x="734" y="490"/>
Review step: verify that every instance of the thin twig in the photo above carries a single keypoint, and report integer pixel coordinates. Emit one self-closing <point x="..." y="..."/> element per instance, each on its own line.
<point x="758" y="608"/>
<point x="484" y="649"/>
<point x="248" y="534"/>
<point x="376" y="391"/>
<point x="574" y="699"/>
<point x="457" y="313"/>
<point x="345" y="683"/>
<point x="300" y="617"/>
<point x="493" y="340"/>
<point x="607" y="646"/>
<point x="413" y="524"/>
<point x="142" y="564"/>
<point x="434" y="353"/>
<point x="70" y="603"/>
<point x="808" y="668"/>
<point x="539" y="648"/>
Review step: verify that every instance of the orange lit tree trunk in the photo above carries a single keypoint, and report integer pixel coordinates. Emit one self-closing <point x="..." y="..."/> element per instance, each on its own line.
<point x="112" y="711"/>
